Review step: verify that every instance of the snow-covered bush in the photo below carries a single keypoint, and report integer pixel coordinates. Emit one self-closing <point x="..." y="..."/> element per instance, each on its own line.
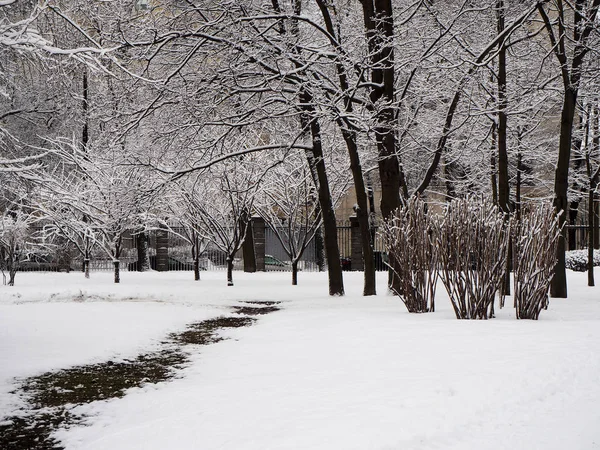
<point x="577" y="260"/>
<point x="408" y="237"/>
<point x="472" y="240"/>
<point x="535" y="242"/>
<point x="14" y="232"/>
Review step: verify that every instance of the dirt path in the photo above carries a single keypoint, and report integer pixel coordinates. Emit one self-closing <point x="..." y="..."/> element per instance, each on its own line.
<point x="52" y="395"/>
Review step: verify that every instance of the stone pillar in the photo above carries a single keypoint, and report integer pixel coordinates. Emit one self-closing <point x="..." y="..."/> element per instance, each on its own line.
<point x="258" y="230"/>
<point x="162" y="250"/>
<point x="356" y="255"/>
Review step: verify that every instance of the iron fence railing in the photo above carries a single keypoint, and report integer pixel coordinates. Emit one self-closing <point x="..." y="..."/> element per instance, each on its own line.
<point x="64" y="258"/>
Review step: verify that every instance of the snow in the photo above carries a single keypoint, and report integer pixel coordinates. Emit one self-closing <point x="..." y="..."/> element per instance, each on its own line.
<point x="322" y="373"/>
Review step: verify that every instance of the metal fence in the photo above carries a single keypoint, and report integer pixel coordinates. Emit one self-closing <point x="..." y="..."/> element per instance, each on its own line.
<point x="63" y="258"/>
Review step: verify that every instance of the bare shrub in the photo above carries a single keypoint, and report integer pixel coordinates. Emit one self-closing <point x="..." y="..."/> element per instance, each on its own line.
<point x="472" y="241"/>
<point x="535" y="241"/>
<point x="413" y="259"/>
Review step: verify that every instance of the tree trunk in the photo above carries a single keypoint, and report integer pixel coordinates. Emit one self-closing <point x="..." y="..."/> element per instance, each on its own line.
<point x="117" y="271"/>
<point x="591" y="233"/>
<point x="595" y="205"/>
<point x="572" y="232"/>
<point x="349" y="135"/>
<point x="596" y="223"/>
<point x="518" y="186"/>
<point x="196" y="269"/>
<point x="379" y="25"/>
<point x="248" y="253"/>
<point x="320" y="249"/>
<point x="503" y="181"/>
<point x="229" y="271"/>
<point x="294" y="273"/>
<point x="362" y="213"/>
<point x="332" y="252"/>
<point x="85" y="108"/>
<point x="86" y="267"/>
<point x="143" y="258"/>
<point x="561" y="184"/>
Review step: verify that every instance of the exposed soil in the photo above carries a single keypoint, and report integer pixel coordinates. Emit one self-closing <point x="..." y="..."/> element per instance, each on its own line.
<point x="264" y="303"/>
<point x="204" y="333"/>
<point x="52" y="395"/>
<point x="255" y="311"/>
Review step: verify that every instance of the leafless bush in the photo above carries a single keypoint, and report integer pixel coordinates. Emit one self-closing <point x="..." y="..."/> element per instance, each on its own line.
<point x="535" y="241"/>
<point x="409" y="240"/>
<point x="472" y="240"/>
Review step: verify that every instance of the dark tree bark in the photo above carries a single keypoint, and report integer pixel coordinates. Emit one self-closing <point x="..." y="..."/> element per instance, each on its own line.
<point x="196" y="255"/>
<point x="503" y="181"/>
<point x="310" y="122"/>
<point x="584" y="18"/>
<point x="294" y="273"/>
<point x="561" y="185"/>
<point x="349" y="135"/>
<point x="143" y="258"/>
<point x="591" y="231"/>
<point x="229" y="270"/>
<point x="332" y="252"/>
<point x="117" y="272"/>
<point x="493" y="169"/>
<point x="596" y="148"/>
<point x="593" y="176"/>
<point x="518" y="184"/>
<point x="248" y="253"/>
<point x="85" y="107"/>
<point x="379" y="25"/>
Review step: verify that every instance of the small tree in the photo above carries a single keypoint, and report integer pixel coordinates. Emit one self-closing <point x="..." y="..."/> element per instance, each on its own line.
<point x="473" y="240"/>
<point x="14" y="233"/>
<point x="410" y="242"/>
<point x="535" y="240"/>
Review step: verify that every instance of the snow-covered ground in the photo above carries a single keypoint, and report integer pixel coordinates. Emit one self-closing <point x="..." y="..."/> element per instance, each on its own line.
<point x="322" y="373"/>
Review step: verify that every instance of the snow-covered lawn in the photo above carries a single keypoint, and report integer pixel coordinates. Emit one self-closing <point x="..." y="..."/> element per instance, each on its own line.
<point x="322" y="373"/>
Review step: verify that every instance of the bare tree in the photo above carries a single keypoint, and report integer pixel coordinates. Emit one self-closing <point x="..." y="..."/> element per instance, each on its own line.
<point x="568" y="26"/>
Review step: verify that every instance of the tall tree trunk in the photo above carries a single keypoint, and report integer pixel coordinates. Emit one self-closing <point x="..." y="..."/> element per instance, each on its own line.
<point x="294" y="273"/>
<point x="117" y="272"/>
<point x="561" y="185"/>
<point x="317" y="163"/>
<point x="493" y="169"/>
<point x="362" y="213"/>
<point x="196" y="255"/>
<point x="349" y="135"/>
<point x="595" y="206"/>
<point x="518" y="185"/>
<point x="591" y="233"/>
<point x="379" y="25"/>
<point x="248" y="253"/>
<point x="332" y="251"/>
<point x="196" y="269"/>
<point x="503" y="181"/>
<point x="572" y="231"/>
<point x="229" y="270"/>
<point x="320" y="249"/>
<point x="584" y="21"/>
<point x="85" y="107"/>
<point x="143" y="257"/>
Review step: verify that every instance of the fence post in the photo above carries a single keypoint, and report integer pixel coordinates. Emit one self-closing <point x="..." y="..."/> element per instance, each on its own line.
<point x="162" y="250"/>
<point x="356" y="255"/>
<point x="258" y="230"/>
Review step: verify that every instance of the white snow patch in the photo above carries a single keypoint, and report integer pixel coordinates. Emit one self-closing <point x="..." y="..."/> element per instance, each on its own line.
<point x="323" y="373"/>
